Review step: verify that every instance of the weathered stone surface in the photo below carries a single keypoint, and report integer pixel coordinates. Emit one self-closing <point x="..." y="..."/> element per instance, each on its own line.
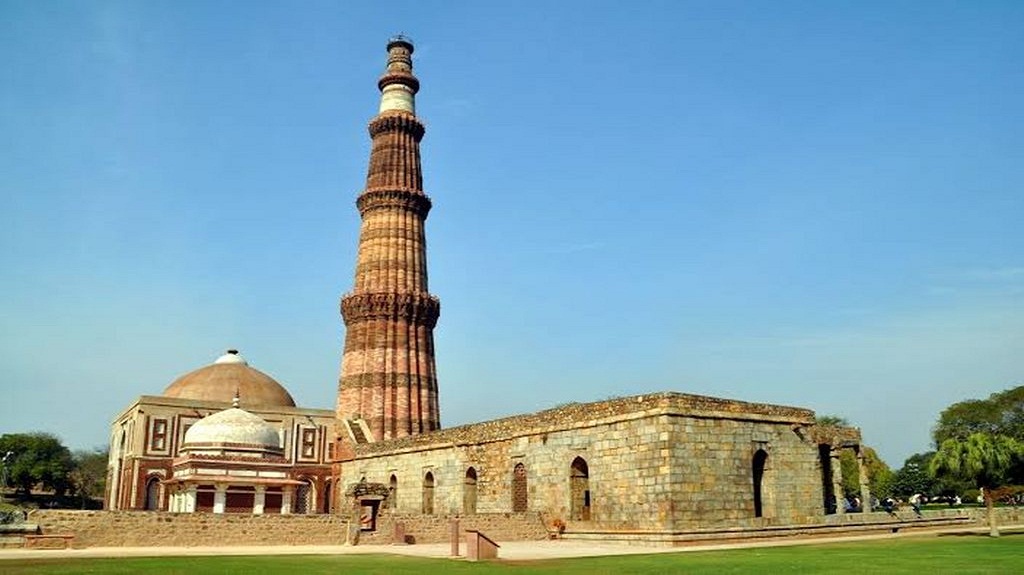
<point x="665" y="461"/>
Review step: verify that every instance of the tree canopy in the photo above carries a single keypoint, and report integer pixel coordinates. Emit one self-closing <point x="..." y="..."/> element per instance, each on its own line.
<point x="90" y="474"/>
<point x="36" y="459"/>
<point x="983" y="458"/>
<point x="1001" y="414"/>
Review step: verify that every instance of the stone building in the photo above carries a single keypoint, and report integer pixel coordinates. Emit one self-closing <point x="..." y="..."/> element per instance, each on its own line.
<point x="149" y="443"/>
<point x="660" y="464"/>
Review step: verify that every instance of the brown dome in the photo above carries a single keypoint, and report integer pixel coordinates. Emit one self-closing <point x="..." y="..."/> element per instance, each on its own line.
<point x="226" y="376"/>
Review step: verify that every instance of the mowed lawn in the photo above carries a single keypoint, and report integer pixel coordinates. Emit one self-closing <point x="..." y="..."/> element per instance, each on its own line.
<point x="921" y="556"/>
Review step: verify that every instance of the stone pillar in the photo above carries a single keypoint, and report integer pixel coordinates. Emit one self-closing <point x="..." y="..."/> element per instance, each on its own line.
<point x="220" y="497"/>
<point x="286" y="500"/>
<point x="837" y="480"/>
<point x="454" y="537"/>
<point x="865" y="488"/>
<point x="190" y="499"/>
<point x="259" y="500"/>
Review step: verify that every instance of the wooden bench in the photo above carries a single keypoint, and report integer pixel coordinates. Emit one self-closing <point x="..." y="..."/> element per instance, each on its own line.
<point x="48" y="541"/>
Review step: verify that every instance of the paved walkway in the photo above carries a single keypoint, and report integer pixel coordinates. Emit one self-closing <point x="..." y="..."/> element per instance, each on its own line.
<point x="510" y="550"/>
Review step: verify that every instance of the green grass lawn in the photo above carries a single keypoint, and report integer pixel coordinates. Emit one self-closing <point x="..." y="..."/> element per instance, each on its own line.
<point x="922" y="556"/>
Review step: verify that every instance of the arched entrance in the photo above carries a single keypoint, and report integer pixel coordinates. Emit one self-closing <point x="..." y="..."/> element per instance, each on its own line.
<point x="428" y="494"/>
<point x="304" y="498"/>
<point x="579" y="490"/>
<point x="327" y="496"/>
<point x="758" y="466"/>
<point x="469" y="493"/>
<point x="153" y="494"/>
<point x="519" y="488"/>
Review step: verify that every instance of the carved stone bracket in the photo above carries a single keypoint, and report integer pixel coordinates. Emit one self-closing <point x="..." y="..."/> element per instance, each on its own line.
<point x="397" y="121"/>
<point x="399" y="78"/>
<point x="383" y="198"/>
<point x="416" y="308"/>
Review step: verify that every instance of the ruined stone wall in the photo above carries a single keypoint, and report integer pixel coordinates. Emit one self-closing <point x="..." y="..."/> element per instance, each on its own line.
<point x="647" y="470"/>
<point x="160" y="529"/>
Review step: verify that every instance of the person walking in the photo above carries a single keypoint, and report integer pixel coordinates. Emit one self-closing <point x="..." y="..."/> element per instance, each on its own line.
<point x="915" y="504"/>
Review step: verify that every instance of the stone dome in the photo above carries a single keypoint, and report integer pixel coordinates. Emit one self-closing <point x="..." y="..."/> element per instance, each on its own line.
<point x="233" y="429"/>
<point x="227" y="376"/>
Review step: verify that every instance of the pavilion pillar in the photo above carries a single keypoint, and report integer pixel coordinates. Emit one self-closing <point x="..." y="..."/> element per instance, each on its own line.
<point x="837" y="480"/>
<point x="259" y="500"/>
<point x="190" y="499"/>
<point x="865" y="486"/>
<point x="286" y="500"/>
<point x="220" y="498"/>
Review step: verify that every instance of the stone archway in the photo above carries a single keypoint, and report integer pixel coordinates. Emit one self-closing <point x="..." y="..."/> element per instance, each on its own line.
<point x="152" y="494"/>
<point x="328" y="485"/>
<point x="579" y="490"/>
<point x="428" y="493"/>
<point x="519" y="489"/>
<point x="760" y="460"/>
<point x="469" y="492"/>
<point x="304" y="498"/>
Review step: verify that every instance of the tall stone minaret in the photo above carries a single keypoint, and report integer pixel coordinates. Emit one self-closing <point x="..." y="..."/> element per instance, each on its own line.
<point x="388" y="382"/>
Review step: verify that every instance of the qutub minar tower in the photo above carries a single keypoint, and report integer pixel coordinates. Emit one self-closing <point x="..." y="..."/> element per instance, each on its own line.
<point x="388" y="382"/>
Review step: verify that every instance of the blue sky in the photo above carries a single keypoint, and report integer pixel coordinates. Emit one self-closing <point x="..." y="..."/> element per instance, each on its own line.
<point x="806" y="203"/>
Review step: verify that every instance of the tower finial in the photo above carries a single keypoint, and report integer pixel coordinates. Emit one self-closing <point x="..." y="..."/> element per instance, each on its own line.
<point x="398" y="85"/>
<point x="235" y="400"/>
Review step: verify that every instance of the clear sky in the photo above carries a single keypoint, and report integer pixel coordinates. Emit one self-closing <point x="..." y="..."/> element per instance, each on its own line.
<point x="806" y="203"/>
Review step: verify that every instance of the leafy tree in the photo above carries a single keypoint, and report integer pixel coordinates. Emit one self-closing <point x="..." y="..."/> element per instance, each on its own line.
<point x="878" y="473"/>
<point x="982" y="458"/>
<point x="36" y="459"/>
<point x="913" y="477"/>
<point x="1001" y="414"/>
<point x="833" y="420"/>
<point x="90" y="473"/>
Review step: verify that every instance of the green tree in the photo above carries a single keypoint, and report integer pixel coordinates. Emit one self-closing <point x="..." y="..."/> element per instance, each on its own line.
<point x="914" y="477"/>
<point x="878" y="473"/>
<point x="833" y="420"/>
<point x="982" y="458"/>
<point x="1001" y="414"/>
<point x="36" y="459"/>
<point x="89" y="475"/>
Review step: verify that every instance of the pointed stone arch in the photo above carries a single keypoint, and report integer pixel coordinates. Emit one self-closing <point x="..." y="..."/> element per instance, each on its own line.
<point x="152" y="494"/>
<point x="579" y="490"/>
<point x="469" y="492"/>
<point x="428" y="493"/>
<point x="520" y="489"/>
<point x="758" y="466"/>
<point x="393" y="492"/>
<point x="305" y="497"/>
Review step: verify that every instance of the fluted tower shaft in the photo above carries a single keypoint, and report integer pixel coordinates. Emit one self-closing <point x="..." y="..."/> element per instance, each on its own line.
<point x="388" y="377"/>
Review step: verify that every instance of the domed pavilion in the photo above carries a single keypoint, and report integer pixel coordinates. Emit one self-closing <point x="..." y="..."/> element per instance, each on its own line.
<point x="223" y="438"/>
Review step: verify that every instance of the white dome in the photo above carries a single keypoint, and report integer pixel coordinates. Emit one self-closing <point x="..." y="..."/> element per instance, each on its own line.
<point x="232" y="429"/>
<point x="232" y="356"/>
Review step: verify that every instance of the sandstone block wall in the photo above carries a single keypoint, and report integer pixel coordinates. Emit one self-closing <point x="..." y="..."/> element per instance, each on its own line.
<point x="437" y="528"/>
<point x="650" y="469"/>
<point x="159" y="529"/>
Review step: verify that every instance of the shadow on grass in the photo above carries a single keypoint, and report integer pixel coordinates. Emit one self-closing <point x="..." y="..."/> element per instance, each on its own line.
<point x="1012" y="532"/>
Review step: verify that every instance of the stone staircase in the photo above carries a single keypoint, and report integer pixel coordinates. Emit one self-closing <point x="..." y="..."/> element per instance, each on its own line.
<point x="867" y="525"/>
